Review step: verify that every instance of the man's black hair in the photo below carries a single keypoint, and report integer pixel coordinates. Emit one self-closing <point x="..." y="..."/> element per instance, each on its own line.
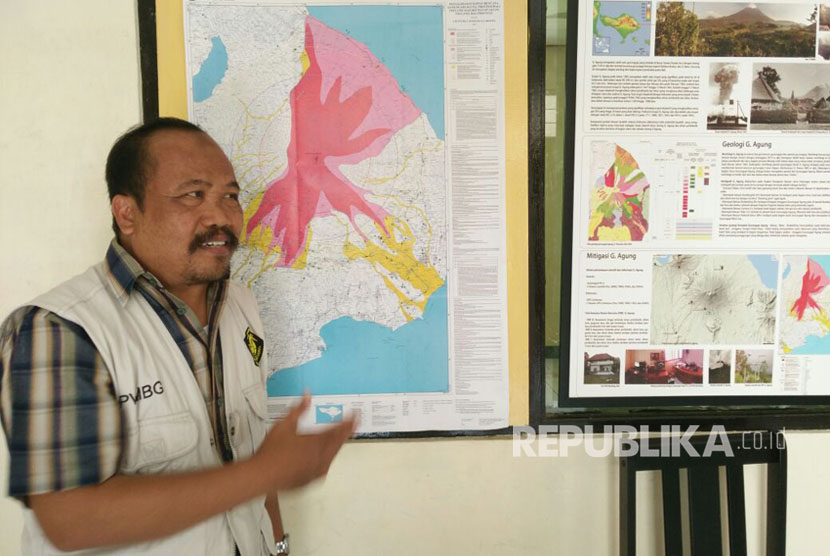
<point x="128" y="162"/>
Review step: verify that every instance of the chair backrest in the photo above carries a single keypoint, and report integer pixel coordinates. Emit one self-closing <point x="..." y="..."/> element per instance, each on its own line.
<point x="704" y="492"/>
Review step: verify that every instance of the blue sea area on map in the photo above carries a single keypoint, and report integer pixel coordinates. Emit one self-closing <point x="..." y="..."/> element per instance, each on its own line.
<point x="409" y="40"/>
<point x="329" y="413"/>
<point x="367" y="358"/>
<point x="815" y="345"/>
<point x="823" y="261"/>
<point x="767" y="267"/>
<point x="663" y="259"/>
<point x="211" y="71"/>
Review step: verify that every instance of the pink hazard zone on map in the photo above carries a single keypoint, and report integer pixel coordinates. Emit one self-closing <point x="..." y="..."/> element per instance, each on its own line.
<point x="813" y="282"/>
<point x="345" y="108"/>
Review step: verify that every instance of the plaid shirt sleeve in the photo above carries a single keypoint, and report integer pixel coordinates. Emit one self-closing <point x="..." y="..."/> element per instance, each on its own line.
<point x="58" y="408"/>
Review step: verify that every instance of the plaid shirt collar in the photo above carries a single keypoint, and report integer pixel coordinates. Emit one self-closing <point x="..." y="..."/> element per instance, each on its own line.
<point x="124" y="272"/>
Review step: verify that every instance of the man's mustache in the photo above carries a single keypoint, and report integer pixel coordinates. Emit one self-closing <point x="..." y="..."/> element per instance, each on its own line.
<point x="214" y="233"/>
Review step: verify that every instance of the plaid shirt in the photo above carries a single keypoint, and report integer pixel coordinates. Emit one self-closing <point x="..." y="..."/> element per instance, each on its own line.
<point x="58" y="407"/>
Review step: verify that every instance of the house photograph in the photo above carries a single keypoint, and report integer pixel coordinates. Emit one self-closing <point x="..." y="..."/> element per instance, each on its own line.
<point x="601" y="368"/>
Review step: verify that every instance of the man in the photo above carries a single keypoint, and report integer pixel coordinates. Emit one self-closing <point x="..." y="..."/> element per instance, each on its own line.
<point x="133" y="396"/>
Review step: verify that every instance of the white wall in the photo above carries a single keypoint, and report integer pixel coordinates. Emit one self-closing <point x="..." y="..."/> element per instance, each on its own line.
<point x="69" y="86"/>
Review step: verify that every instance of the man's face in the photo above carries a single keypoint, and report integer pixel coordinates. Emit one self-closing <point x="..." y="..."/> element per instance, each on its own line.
<point x="191" y="220"/>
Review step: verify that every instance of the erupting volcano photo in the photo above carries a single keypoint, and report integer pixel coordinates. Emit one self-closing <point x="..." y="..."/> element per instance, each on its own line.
<point x="729" y="94"/>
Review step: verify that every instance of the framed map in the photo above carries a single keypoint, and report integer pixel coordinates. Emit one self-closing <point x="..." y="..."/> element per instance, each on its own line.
<point x="368" y="140"/>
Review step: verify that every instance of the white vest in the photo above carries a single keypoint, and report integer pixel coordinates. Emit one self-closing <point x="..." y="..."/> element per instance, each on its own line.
<point x="166" y="424"/>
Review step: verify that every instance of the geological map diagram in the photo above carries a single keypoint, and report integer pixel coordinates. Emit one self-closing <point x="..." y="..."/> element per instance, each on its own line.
<point x="621" y="28"/>
<point x="805" y="298"/>
<point x="713" y="299"/>
<point x="333" y="117"/>
<point x="619" y="196"/>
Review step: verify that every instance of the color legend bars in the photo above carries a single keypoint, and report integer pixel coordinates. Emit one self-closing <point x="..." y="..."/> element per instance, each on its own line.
<point x="695" y="186"/>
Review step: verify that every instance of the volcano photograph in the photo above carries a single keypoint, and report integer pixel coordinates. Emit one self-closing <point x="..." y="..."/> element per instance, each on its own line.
<point x="736" y="29"/>
<point x="728" y="87"/>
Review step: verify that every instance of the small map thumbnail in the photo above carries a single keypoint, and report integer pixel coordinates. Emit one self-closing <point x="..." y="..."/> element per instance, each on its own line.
<point x="622" y="28"/>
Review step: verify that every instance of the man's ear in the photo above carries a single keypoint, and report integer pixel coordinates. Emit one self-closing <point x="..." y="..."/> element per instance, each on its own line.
<point x="124" y="210"/>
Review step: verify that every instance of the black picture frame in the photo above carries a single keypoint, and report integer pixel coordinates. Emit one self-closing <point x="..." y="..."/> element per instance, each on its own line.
<point x="734" y="412"/>
<point x="148" y="62"/>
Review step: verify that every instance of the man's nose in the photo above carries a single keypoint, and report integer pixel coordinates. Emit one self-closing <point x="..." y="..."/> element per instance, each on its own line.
<point x="216" y="212"/>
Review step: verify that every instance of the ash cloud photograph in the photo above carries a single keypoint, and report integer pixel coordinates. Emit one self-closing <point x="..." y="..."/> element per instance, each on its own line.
<point x="736" y="29"/>
<point x="790" y="96"/>
<point x="728" y="94"/>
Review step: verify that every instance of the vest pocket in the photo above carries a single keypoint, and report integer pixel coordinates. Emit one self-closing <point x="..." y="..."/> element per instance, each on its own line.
<point x="158" y="441"/>
<point x="257" y="416"/>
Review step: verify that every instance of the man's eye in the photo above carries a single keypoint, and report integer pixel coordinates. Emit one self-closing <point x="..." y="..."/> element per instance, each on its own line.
<point x="194" y="194"/>
<point x="234" y="196"/>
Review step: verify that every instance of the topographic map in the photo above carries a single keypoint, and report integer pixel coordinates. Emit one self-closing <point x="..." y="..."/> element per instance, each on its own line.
<point x="713" y="299"/>
<point x="805" y="322"/>
<point x="335" y="127"/>
<point x="622" y="28"/>
<point x="619" y="196"/>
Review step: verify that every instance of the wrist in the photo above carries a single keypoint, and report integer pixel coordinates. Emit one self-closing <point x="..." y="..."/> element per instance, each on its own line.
<point x="282" y="547"/>
<point x="256" y="472"/>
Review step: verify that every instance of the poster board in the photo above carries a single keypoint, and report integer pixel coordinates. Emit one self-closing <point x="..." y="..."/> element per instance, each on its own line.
<point x="173" y="93"/>
<point x="677" y="292"/>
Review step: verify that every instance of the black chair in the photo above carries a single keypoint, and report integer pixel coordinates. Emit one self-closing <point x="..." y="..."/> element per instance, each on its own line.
<point x="704" y="494"/>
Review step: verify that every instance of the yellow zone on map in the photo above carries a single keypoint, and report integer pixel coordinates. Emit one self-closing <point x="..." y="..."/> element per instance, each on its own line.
<point x="604" y="233"/>
<point x="396" y="257"/>
<point x="823" y="320"/>
<point x="609" y="234"/>
<point x="624" y="24"/>
<point x="393" y="257"/>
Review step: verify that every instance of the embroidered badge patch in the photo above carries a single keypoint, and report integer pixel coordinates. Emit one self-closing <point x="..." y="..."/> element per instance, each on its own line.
<point x="255" y="345"/>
